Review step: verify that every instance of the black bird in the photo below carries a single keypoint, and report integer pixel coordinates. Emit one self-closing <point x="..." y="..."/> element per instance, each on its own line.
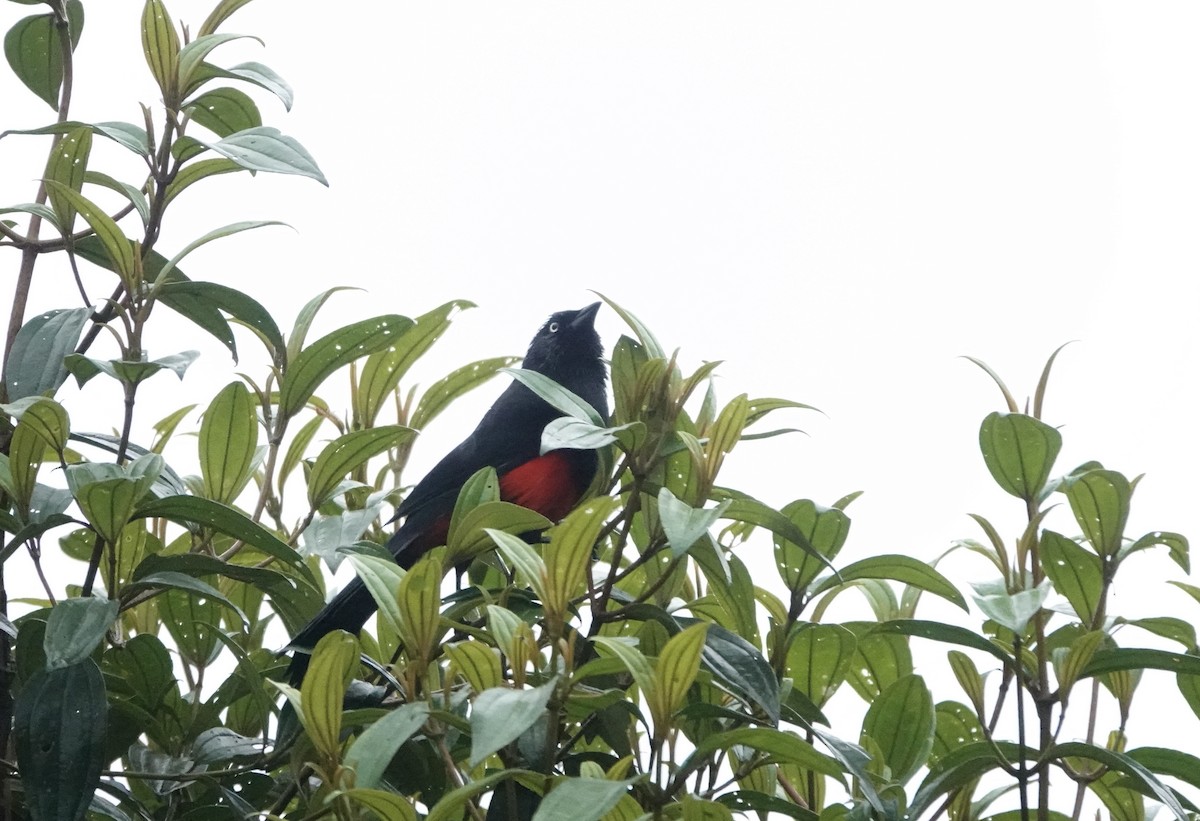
<point x="567" y="349"/>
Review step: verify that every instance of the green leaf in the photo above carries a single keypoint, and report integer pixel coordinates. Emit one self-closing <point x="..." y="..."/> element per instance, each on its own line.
<point x="500" y="715"/>
<point x="372" y="751"/>
<point x="312" y="365"/>
<point x="67" y="165"/>
<point x="108" y="504"/>
<point x="455" y="384"/>
<point x="653" y="349"/>
<point x="580" y="799"/>
<point x="901" y="722"/>
<point x="116" y="246"/>
<point x="59" y="726"/>
<point x="1124" y="764"/>
<point x="556" y="395"/>
<point x="171" y="580"/>
<point x="1176" y="543"/>
<point x="818" y="659"/>
<point x="347" y="454"/>
<point x="1019" y="451"/>
<point x="218" y="744"/>
<point x="193" y="172"/>
<point x="468" y="537"/>
<point x="1175" y="763"/>
<point x="826" y="530"/>
<point x="684" y="524"/>
<point x="959" y="768"/>
<point x="202" y="301"/>
<point x="163" y="276"/>
<point x="420" y="600"/>
<point x="674" y="673"/>
<point x="784" y="746"/>
<point x="956" y="725"/>
<point x="75" y="628"/>
<point x="753" y="512"/>
<point x="1011" y="610"/>
<point x="1075" y="573"/>
<point x="524" y="558"/>
<point x="160" y="44"/>
<point x="220" y="13"/>
<point x="35" y="361"/>
<point x="33" y="50"/>
<point x="1100" y="501"/>
<point x="267" y="149"/>
<point x="478" y="663"/>
<point x="47" y="420"/>
<point x="382" y="578"/>
<point x="263" y="77"/>
<point x="191" y="56"/>
<point x="228" y="441"/>
<point x="881" y="657"/>
<point x="330" y="671"/>
<point x="739" y="666"/>
<point x="569" y="554"/>
<point x="383" y="370"/>
<point x="625" y="650"/>
<point x="1074" y="659"/>
<point x="1137" y="658"/>
<point x="187" y="510"/>
<point x="572" y="434"/>
<point x="85" y="368"/>
<point x="899" y="568"/>
<point x="135" y="196"/>
<point x="386" y="805"/>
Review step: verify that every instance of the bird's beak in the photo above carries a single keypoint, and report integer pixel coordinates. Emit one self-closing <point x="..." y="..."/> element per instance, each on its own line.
<point x="586" y="316"/>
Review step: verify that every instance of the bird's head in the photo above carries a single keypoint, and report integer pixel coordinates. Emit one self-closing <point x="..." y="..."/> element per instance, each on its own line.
<point x="567" y="348"/>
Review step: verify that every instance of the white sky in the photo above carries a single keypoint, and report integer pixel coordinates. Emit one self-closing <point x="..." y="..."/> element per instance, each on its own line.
<point x="837" y="199"/>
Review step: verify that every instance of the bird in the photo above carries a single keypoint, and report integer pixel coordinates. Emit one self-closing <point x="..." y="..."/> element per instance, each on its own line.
<point x="568" y="350"/>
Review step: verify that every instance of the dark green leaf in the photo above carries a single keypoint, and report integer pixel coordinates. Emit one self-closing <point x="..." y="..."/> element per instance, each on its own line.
<point x="374" y="749"/>
<point x="1136" y="658"/>
<point x="59" y="726"/>
<point x="170" y="580"/>
<point x="34" y="52"/>
<point x="1019" y="451"/>
<point x="1124" y="764"/>
<point x="75" y="628"/>
<point x="956" y="725"/>
<point x="959" y="768"/>
<point x="739" y="666"/>
<point x="1175" y="763"/>
<point x="225" y="111"/>
<point x="784" y="746"/>
<point x="218" y="744"/>
<point x="197" y="301"/>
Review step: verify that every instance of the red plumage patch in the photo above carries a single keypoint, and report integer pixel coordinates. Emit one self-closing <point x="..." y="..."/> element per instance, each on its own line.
<point x="544" y="484"/>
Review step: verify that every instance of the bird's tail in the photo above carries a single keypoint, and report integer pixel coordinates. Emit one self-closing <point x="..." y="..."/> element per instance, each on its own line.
<point x="349" y="611"/>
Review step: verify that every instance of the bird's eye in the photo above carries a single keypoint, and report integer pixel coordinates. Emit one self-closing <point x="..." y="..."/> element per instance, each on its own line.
<point x="552" y="327"/>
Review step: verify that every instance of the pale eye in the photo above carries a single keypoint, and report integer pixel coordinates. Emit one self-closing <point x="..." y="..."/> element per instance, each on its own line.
<point x="552" y="327"/>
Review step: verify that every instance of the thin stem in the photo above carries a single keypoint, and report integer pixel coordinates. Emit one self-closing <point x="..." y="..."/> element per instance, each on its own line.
<point x="1022" y="766"/>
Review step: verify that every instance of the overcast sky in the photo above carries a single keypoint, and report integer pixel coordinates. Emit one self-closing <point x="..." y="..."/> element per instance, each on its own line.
<point x="839" y="200"/>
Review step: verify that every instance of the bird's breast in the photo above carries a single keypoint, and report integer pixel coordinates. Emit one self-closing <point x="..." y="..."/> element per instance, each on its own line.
<point x="549" y="484"/>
